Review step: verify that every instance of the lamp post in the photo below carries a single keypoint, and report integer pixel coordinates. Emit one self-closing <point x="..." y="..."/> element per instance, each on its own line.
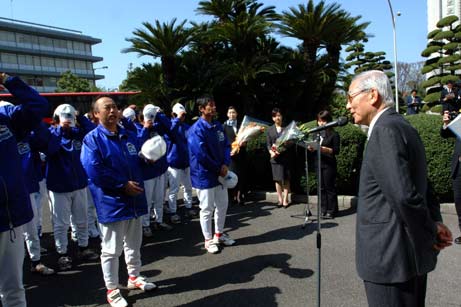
<point x="396" y="82"/>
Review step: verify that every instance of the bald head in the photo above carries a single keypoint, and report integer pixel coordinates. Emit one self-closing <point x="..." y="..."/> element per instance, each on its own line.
<point x="106" y="111"/>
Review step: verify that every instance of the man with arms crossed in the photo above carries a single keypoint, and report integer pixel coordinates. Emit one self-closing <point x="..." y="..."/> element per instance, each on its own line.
<point x="110" y="158"/>
<point x="399" y="226"/>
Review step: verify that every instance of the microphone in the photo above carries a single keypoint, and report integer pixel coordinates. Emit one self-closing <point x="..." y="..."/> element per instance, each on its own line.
<point x="341" y="121"/>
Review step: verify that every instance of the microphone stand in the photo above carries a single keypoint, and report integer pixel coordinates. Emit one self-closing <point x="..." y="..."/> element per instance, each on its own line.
<point x="318" y="140"/>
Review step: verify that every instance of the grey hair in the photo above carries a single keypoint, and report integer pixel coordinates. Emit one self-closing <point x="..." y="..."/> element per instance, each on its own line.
<point x="378" y="80"/>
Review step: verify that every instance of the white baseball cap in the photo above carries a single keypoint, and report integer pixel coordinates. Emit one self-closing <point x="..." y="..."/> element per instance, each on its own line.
<point x="178" y="109"/>
<point x="129" y="113"/>
<point x="150" y="111"/>
<point x="4" y="103"/>
<point x="66" y="113"/>
<point x="153" y="149"/>
<point x="229" y="181"/>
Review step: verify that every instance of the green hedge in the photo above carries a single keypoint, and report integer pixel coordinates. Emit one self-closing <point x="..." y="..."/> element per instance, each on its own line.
<point x="438" y="154"/>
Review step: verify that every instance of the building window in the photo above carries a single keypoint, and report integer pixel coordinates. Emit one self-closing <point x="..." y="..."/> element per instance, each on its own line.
<point x="7" y="38"/>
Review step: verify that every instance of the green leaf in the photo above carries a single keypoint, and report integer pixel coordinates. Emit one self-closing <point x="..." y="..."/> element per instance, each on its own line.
<point x="430" y="50"/>
<point x="433" y="33"/>
<point x="431" y="98"/>
<point x="444" y="35"/>
<point x="447" y="21"/>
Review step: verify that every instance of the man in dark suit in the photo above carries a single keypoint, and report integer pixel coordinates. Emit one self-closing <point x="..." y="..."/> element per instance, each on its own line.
<point x="413" y="103"/>
<point x="455" y="168"/>
<point x="399" y="226"/>
<point x="449" y="98"/>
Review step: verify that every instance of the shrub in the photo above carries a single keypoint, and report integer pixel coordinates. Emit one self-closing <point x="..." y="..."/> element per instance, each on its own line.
<point x="438" y="152"/>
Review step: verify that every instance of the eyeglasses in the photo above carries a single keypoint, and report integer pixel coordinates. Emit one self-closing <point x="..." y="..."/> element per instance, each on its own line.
<point x="351" y="96"/>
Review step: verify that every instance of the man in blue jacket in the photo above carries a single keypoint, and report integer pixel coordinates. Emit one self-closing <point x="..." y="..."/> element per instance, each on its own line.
<point x="110" y="158"/>
<point x="178" y="161"/>
<point x="15" y="209"/>
<point x="66" y="182"/>
<point x="209" y="153"/>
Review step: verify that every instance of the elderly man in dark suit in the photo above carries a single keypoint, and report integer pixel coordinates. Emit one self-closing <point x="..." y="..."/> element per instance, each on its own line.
<point x="399" y="226"/>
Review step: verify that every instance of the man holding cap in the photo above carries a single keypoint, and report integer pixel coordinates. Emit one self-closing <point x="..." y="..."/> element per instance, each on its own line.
<point x="209" y="152"/>
<point x="110" y="158"/>
<point x="178" y="161"/>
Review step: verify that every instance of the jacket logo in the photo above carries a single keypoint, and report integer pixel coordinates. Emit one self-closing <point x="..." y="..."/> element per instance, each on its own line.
<point x="131" y="149"/>
<point x="77" y="145"/>
<point x="23" y="148"/>
<point x="220" y="136"/>
<point x="5" y="133"/>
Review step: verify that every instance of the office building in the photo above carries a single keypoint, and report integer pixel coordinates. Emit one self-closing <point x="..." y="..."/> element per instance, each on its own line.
<point x="437" y="9"/>
<point x="39" y="54"/>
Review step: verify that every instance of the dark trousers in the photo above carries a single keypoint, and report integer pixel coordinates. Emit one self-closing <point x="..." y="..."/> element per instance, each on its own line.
<point x="457" y="194"/>
<point x="329" y="195"/>
<point x="411" y="293"/>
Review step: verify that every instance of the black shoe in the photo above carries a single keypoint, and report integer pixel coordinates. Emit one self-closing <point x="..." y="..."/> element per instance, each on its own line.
<point x="328" y="216"/>
<point x="458" y="240"/>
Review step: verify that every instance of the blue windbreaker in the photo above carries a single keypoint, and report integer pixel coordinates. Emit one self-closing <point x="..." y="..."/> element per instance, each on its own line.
<point x="177" y="151"/>
<point x="15" y="123"/>
<point x="64" y="171"/>
<point x="28" y="149"/>
<point x="111" y="160"/>
<point x="209" y="149"/>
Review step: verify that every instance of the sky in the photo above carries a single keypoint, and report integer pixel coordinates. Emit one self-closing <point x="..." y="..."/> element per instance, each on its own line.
<point x="114" y="21"/>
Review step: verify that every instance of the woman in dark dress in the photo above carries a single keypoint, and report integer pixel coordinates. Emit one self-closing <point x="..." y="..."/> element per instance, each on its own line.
<point x="280" y="162"/>
<point x="329" y="149"/>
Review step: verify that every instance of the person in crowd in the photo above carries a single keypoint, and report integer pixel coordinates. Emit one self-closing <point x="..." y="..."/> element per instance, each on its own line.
<point x="280" y="162"/>
<point x="399" y="225"/>
<point x="209" y="153"/>
<point x="329" y="149"/>
<point x="455" y="168"/>
<point x="239" y="159"/>
<point x="16" y="122"/>
<point x="449" y="98"/>
<point x="154" y="174"/>
<point x="110" y="158"/>
<point x="66" y="182"/>
<point x="28" y="149"/>
<point x="414" y="103"/>
<point x="179" y="168"/>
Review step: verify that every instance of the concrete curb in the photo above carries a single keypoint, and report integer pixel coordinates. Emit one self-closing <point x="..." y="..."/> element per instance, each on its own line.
<point x="344" y="201"/>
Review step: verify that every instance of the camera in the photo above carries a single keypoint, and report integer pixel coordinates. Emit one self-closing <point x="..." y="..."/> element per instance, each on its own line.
<point x="453" y="115"/>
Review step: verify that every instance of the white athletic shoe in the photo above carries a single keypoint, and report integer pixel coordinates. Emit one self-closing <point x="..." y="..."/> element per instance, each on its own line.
<point x="115" y="299"/>
<point x="140" y="283"/>
<point x="211" y="246"/>
<point x="224" y="239"/>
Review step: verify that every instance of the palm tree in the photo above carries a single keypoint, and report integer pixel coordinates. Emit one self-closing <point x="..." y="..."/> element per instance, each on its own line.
<point x="347" y="30"/>
<point x="162" y="41"/>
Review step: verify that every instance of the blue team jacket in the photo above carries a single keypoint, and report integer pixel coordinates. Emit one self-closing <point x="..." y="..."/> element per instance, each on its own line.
<point x="64" y="171"/>
<point x="39" y="139"/>
<point x="177" y="151"/>
<point x="209" y="149"/>
<point x="111" y="160"/>
<point x="15" y="123"/>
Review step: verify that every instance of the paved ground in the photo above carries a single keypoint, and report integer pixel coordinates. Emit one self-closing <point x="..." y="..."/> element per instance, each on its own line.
<point x="273" y="264"/>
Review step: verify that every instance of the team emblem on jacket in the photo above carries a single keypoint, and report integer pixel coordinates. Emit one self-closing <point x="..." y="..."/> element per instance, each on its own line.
<point x="220" y="136"/>
<point x="77" y="145"/>
<point x="5" y="133"/>
<point x="131" y="149"/>
<point x="23" y="148"/>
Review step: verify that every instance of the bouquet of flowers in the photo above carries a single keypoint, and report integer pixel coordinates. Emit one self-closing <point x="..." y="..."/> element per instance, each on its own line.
<point x="249" y="130"/>
<point x="286" y="138"/>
